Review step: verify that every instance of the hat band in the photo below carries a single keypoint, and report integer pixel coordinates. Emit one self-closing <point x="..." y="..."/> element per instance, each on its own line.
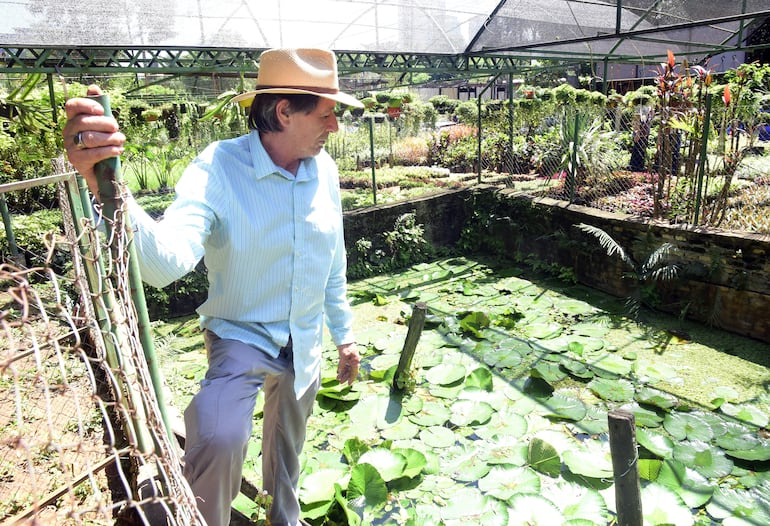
<point x="328" y="91"/>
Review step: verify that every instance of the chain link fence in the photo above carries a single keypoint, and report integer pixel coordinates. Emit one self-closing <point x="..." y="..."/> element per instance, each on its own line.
<point x="83" y="437"/>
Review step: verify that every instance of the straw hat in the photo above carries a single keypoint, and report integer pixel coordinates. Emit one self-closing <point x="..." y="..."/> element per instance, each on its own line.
<point x="309" y="71"/>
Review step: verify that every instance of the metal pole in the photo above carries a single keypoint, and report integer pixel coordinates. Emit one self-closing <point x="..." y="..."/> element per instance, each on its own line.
<point x="371" y="154"/>
<point x="9" y="229"/>
<point x="703" y="154"/>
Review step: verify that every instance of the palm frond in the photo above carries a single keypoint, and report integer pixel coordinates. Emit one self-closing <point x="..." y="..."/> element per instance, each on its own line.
<point x="659" y="257"/>
<point x="608" y="243"/>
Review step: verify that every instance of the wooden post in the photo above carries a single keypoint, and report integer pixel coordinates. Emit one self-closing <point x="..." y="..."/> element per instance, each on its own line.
<point x="416" y="323"/>
<point x="625" y="466"/>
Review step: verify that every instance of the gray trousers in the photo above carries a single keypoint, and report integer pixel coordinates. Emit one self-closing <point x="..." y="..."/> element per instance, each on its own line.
<point x="218" y="425"/>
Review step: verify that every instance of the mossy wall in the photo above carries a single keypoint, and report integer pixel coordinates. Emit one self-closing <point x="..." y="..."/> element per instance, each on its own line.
<point x="724" y="278"/>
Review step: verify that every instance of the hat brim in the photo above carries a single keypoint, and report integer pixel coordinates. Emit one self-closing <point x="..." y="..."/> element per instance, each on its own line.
<point x="342" y="98"/>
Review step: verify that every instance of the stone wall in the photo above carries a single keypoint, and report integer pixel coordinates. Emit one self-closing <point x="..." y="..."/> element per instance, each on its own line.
<point x="724" y="277"/>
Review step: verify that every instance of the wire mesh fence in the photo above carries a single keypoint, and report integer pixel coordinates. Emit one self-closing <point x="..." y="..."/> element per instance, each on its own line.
<point x="83" y="439"/>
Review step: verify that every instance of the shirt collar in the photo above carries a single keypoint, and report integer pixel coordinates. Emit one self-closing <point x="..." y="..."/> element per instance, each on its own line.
<point x="264" y="165"/>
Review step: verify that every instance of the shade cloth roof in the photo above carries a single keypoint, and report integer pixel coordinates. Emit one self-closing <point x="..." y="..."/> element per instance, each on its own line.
<point x="189" y="36"/>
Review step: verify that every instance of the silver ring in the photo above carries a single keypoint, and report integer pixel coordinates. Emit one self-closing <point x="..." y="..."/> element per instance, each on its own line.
<point x="78" y="141"/>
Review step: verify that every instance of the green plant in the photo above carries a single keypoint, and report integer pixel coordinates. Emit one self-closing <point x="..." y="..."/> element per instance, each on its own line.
<point x="657" y="266"/>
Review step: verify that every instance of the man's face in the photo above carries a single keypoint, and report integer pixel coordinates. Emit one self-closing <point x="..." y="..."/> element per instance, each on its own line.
<point x="308" y="133"/>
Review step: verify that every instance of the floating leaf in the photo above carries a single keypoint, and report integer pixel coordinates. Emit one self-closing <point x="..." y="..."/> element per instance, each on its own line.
<point x="746" y="412"/>
<point x="578" y="503"/>
<point x="649" y="371"/>
<point x="609" y="365"/>
<point x="367" y="490"/>
<point x="543" y="331"/>
<point x="661" y="505"/>
<point x="502" y="358"/>
<point x="655" y="443"/>
<point x="574" y="307"/>
<point x="594" y="330"/>
<point x="416" y="461"/>
<point x="480" y="378"/>
<point x="533" y="510"/>
<point x="389" y="464"/>
<point x="543" y="457"/>
<point x="566" y="407"/>
<point x="591" y="462"/>
<point x="468" y="468"/>
<point x="431" y="414"/>
<point x="739" y="508"/>
<point x="723" y="394"/>
<point x="503" y="451"/>
<point x="704" y="458"/>
<point x="318" y="486"/>
<point x="576" y="368"/>
<point x="548" y="371"/>
<point x="687" y="426"/>
<point x="470" y="413"/>
<point x="618" y="390"/>
<point x="690" y="485"/>
<point x="438" y="437"/>
<point x="656" y="397"/>
<point x="445" y="374"/>
<point x="503" y="482"/>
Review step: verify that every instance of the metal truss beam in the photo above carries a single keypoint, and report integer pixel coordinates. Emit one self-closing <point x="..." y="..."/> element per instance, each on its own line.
<point x="206" y="61"/>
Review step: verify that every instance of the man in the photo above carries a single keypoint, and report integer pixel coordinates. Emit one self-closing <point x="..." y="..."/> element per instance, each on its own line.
<point x="264" y="212"/>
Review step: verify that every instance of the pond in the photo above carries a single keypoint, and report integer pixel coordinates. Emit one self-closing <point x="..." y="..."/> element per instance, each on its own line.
<point x="504" y="420"/>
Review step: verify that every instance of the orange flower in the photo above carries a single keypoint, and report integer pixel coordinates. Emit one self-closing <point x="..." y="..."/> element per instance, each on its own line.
<point x="726" y="95"/>
<point x="671" y="59"/>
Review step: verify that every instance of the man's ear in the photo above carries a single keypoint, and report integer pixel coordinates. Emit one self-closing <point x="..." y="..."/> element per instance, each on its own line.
<point x="283" y="111"/>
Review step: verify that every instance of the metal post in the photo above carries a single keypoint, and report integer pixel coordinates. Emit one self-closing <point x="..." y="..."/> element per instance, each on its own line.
<point x="703" y="154"/>
<point x="371" y="153"/>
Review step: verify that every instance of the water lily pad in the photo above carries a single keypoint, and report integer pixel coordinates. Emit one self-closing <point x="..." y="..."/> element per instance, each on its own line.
<point x="470" y="506"/>
<point x="592" y="329"/>
<point x="438" y="437"/>
<point x="660" y="505"/>
<point x="738" y="508"/>
<point x="467" y="468"/>
<point x="609" y="365"/>
<point x="566" y="407"/>
<point x="445" y="374"/>
<point x="507" y="424"/>
<point x="416" y="461"/>
<point x="687" y="425"/>
<point x="543" y="331"/>
<point x="746" y="412"/>
<point x="576" y="368"/>
<point x="574" y="307"/>
<point x="470" y="413"/>
<point x="655" y="443"/>
<point x="503" y="482"/>
<point x="533" y="510"/>
<point x="502" y="357"/>
<point x="543" y="457"/>
<point x="617" y="390"/>
<point x="656" y="397"/>
<point x="704" y="458"/>
<point x="431" y="414"/>
<point x="318" y="486"/>
<point x="403" y="430"/>
<point x="591" y="461"/>
<point x="694" y="489"/>
<point x="550" y="372"/>
<point x="578" y="503"/>
<point x="649" y="371"/>
<point x="388" y="463"/>
<point x="503" y="451"/>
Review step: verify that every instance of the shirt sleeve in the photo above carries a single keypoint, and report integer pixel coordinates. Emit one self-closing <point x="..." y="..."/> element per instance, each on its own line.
<point x="172" y="247"/>
<point x="339" y="316"/>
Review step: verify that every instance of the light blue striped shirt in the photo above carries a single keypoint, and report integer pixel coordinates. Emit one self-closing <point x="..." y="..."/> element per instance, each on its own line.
<point x="272" y="244"/>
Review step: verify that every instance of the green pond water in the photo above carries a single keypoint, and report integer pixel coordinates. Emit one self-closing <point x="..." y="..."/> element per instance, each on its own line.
<point x="504" y="419"/>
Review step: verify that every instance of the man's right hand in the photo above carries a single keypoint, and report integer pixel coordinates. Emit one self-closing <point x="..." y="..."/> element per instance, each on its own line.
<point x="99" y="136"/>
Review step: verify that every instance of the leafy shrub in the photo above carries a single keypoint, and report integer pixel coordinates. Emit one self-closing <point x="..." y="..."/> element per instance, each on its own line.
<point x="410" y="151"/>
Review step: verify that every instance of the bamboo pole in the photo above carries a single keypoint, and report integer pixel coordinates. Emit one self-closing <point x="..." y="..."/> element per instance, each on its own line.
<point x="108" y="177"/>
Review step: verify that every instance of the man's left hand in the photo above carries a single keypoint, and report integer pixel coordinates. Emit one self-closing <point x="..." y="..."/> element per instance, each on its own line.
<point x="347" y="369"/>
